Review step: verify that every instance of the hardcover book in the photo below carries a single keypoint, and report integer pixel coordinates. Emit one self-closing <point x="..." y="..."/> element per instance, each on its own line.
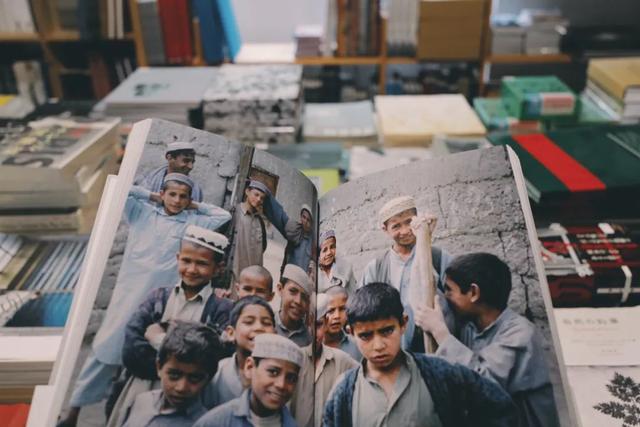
<point x="365" y="280"/>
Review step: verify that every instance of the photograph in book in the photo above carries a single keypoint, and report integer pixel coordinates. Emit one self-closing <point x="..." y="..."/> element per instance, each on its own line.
<point x="202" y="223"/>
<point x="441" y="247"/>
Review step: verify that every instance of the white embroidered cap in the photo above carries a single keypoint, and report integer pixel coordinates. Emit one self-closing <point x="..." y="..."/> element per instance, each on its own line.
<point x="206" y="238"/>
<point x="273" y="346"/>
<point x="327" y="234"/>
<point x="178" y="177"/>
<point x="306" y="207"/>
<point x="394" y="207"/>
<point x="178" y="146"/>
<point x="299" y="276"/>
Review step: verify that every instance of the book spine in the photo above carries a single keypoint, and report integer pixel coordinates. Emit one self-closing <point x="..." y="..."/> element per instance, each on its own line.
<point x="600" y="75"/>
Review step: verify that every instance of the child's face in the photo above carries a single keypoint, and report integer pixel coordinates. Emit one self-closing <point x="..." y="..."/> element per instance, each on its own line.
<point x="175" y="198"/>
<point x="273" y="382"/>
<point x="336" y="314"/>
<point x="398" y="227"/>
<point x="255" y="198"/>
<point x="328" y="252"/>
<point x="254" y="320"/>
<point x="182" y="163"/>
<point x="196" y="265"/>
<point x="461" y="303"/>
<point x="305" y="220"/>
<point x="294" y="301"/>
<point x="181" y="382"/>
<point x="250" y="284"/>
<point x="379" y="340"/>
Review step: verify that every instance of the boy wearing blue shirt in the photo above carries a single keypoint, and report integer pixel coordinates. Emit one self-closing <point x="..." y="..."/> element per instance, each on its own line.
<point x="494" y="341"/>
<point x="187" y="359"/>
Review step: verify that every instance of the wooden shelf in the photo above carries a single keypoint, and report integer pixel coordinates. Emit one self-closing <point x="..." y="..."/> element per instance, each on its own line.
<point x="528" y="59"/>
<point x="62" y="36"/>
<point x="339" y="60"/>
<point x="19" y="37"/>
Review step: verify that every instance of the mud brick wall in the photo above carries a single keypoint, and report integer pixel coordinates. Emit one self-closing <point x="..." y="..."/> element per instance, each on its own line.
<point x="474" y="196"/>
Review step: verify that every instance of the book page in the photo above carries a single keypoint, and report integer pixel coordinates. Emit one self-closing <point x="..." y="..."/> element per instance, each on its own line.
<point x="192" y="212"/>
<point x="490" y="314"/>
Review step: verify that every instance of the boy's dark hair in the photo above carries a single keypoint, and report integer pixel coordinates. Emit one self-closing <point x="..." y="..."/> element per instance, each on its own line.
<point x="374" y="301"/>
<point x="166" y="184"/>
<point x="185" y="152"/>
<point x="191" y="342"/>
<point x="415" y="213"/>
<point x="239" y="306"/>
<point x="490" y="273"/>
<point x="258" y="270"/>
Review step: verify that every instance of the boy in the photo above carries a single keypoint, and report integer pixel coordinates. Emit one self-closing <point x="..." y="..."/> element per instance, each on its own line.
<point x="295" y="292"/>
<point x="392" y="387"/>
<point x="180" y="158"/>
<point x="494" y="340"/>
<point x="250" y="316"/>
<point x="273" y="371"/>
<point x="255" y="280"/>
<point x="191" y="299"/>
<point x="148" y="263"/>
<point x="333" y="272"/>
<point x="322" y="366"/>
<point x="187" y="359"/>
<point x="394" y="265"/>
<point x="299" y="250"/>
<point x="335" y="335"/>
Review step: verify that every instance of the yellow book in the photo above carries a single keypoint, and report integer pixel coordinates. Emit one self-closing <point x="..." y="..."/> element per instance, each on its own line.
<point x="619" y="77"/>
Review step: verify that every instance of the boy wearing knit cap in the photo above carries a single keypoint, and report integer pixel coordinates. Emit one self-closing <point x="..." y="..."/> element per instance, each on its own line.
<point x="273" y="370"/>
<point x="180" y="156"/>
<point x="333" y="271"/>
<point x="190" y="299"/>
<point x="394" y="265"/>
<point x="295" y="292"/>
<point x="322" y="367"/>
<point x="149" y="262"/>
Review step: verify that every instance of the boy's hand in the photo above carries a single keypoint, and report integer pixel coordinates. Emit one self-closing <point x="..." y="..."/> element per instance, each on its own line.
<point x="427" y="218"/>
<point x="222" y="293"/>
<point x="155" y="197"/>
<point x="192" y="205"/>
<point x="432" y="320"/>
<point x="154" y="334"/>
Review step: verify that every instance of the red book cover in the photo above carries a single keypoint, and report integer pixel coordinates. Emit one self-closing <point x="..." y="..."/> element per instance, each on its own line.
<point x="182" y="20"/>
<point x="170" y="33"/>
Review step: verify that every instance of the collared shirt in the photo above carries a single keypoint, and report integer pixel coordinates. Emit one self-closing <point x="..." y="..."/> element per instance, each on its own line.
<point x="315" y="382"/>
<point x="226" y="384"/>
<point x="300" y="336"/>
<point x="510" y="352"/>
<point x="147" y="411"/>
<point x="248" y="239"/>
<point x="149" y="262"/>
<point x="410" y="404"/>
<point x="341" y="274"/>
<point x="237" y="413"/>
<point x="154" y="180"/>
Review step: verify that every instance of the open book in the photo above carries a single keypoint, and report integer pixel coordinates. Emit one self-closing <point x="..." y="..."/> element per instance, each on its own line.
<point x="479" y="201"/>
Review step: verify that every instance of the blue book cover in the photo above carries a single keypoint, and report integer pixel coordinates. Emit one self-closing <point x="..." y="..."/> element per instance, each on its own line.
<point x="230" y="26"/>
<point x="210" y="30"/>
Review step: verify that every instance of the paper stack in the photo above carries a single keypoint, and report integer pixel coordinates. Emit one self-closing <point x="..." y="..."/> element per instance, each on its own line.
<point x="53" y="173"/>
<point x="254" y="103"/>
<point x="544" y="28"/>
<point x="308" y="40"/>
<point x="346" y="122"/>
<point x="614" y="85"/>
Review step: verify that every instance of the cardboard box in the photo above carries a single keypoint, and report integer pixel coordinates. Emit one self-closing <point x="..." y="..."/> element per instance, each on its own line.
<point x="449" y="48"/>
<point x="452" y="9"/>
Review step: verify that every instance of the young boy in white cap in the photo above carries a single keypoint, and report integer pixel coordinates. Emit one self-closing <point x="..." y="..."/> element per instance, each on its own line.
<point x="300" y="250"/>
<point x="149" y="262"/>
<point x="322" y="367"/>
<point x="180" y="156"/>
<point x="295" y="289"/>
<point x="273" y="370"/>
<point x="394" y="265"/>
<point x="333" y="271"/>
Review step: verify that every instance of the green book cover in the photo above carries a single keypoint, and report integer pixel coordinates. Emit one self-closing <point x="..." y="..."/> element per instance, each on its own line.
<point x="531" y="98"/>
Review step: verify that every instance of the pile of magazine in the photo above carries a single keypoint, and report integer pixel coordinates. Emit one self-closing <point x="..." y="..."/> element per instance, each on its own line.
<point x="53" y="173"/>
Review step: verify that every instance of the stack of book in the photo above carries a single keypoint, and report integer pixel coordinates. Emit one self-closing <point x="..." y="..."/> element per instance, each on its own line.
<point x="347" y="122"/>
<point x="164" y="92"/>
<point x="614" y="84"/>
<point x="308" y="40"/>
<point x="353" y="27"/>
<point x="414" y="120"/>
<point x="544" y="29"/>
<point x="16" y="17"/>
<point x="254" y="103"/>
<point x="53" y="173"/>
<point x="15" y="107"/>
<point x="540" y="97"/>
